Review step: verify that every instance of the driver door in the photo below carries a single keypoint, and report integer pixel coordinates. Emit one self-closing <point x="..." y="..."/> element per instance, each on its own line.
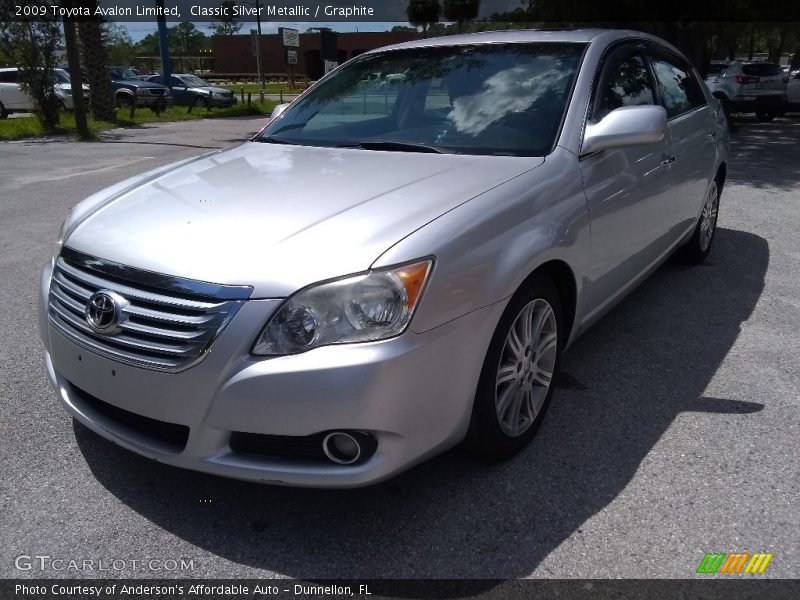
<point x="629" y="190"/>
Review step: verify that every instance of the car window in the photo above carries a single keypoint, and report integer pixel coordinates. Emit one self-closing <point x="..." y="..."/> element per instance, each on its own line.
<point x="122" y="74"/>
<point x="177" y="82"/>
<point x="193" y="81"/>
<point x="762" y="70"/>
<point x="680" y="91"/>
<point x="505" y="99"/>
<point x="8" y="76"/>
<point x="628" y="84"/>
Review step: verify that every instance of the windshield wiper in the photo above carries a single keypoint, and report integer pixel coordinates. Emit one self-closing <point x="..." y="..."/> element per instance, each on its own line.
<point x="391" y="145"/>
<point x="274" y="140"/>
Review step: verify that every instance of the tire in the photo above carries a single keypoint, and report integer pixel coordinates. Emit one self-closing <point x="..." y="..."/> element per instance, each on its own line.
<point x="765" y="117"/>
<point x="506" y="414"/>
<point x="3" y="111"/>
<point x="200" y="102"/>
<point x="699" y="245"/>
<point x="124" y="101"/>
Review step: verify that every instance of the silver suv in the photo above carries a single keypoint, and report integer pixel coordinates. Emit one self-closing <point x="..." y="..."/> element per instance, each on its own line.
<point x="751" y="87"/>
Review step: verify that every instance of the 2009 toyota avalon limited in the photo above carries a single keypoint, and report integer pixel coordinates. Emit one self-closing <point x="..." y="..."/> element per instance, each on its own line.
<point x="384" y="270"/>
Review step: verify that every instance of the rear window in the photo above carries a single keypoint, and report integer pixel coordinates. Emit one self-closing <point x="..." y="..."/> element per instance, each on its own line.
<point x="762" y="70"/>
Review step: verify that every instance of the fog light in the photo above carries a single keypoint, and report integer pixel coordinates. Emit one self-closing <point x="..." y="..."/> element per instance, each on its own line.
<point x="341" y="448"/>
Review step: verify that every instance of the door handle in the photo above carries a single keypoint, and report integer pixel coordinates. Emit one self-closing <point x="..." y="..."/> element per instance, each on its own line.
<point x="668" y="159"/>
<point x="711" y="135"/>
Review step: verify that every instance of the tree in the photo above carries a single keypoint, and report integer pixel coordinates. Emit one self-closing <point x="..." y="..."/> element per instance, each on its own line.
<point x="461" y="11"/>
<point x="119" y="45"/>
<point x="423" y="13"/>
<point x="227" y="22"/>
<point x="186" y="37"/>
<point x="32" y="46"/>
<point x="95" y="61"/>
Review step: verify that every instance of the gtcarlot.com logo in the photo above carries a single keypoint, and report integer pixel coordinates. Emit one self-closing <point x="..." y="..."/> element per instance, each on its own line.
<point x="45" y="562"/>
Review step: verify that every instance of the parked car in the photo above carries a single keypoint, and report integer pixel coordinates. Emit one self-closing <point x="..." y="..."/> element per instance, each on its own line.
<point x="353" y="291"/>
<point x="190" y="90"/>
<point x="716" y="67"/>
<point x="13" y="99"/>
<point x="751" y="87"/>
<point x="793" y="92"/>
<point x="129" y="90"/>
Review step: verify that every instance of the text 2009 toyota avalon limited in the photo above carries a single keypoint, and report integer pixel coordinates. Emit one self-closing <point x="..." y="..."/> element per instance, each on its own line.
<point x="396" y="262"/>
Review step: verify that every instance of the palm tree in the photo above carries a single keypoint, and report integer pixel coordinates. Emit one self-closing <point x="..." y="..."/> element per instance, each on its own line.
<point x="93" y="51"/>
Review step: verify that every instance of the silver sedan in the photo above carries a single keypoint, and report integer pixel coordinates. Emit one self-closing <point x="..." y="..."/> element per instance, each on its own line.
<point x="385" y="270"/>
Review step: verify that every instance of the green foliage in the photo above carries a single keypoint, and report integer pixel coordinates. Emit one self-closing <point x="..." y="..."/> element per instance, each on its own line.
<point x="461" y="11"/>
<point x="423" y="13"/>
<point x="119" y="46"/>
<point x="26" y="127"/>
<point x="32" y="46"/>
<point x="183" y="37"/>
<point x="227" y="24"/>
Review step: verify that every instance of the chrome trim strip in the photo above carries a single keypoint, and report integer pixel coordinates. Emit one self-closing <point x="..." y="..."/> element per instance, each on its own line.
<point x="151" y="279"/>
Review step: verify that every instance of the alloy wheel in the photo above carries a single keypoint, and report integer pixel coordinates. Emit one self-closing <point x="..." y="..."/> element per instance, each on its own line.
<point x="708" y="219"/>
<point x="525" y="371"/>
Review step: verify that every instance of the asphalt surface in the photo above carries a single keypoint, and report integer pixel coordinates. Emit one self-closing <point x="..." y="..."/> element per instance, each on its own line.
<point x="676" y="430"/>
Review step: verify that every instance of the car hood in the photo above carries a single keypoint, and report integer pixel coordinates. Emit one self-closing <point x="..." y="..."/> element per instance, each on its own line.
<point x="210" y="88"/>
<point x="280" y="217"/>
<point x="68" y="86"/>
<point x="139" y="83"/>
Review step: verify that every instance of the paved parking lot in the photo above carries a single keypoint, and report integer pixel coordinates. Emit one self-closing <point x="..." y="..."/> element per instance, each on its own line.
<point x="676" y="430"/>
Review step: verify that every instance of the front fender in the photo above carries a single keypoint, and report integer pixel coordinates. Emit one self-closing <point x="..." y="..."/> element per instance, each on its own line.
<point x="488" y="246"/>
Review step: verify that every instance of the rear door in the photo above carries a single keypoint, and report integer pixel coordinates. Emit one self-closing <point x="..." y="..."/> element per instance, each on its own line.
<point x="693" y="134"/>
<point x="629" y="190"/>
<point x="765" y="78"/>
<point x="11" y="94"/>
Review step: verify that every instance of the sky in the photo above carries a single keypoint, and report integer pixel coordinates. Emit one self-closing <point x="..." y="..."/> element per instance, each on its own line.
<point x="138" y="30"/>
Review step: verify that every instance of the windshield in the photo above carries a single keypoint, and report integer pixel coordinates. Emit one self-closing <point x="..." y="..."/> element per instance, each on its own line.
<point x="193" y="81"/>
<point x="61" y="76"/>
<point x="505" y="99"/>
<point x="122" y="74"/>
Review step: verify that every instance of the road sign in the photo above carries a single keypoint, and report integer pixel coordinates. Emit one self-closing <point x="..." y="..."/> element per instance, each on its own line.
<point x="291" y="57"/>
<point x="291" y="37"/>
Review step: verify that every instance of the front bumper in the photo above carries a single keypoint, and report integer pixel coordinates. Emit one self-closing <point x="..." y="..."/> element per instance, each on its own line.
<point x="413" y="394"/>
<point x="148" y="101"/>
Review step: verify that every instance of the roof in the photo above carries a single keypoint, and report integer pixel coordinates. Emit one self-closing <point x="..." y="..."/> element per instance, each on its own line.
<point x="510" y="36"/>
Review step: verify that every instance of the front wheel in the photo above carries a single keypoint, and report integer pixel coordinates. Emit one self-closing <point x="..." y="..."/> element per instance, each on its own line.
<point x="124" y="101"/>
<point x="699" y="245"/>
<point x="516" y="382"/>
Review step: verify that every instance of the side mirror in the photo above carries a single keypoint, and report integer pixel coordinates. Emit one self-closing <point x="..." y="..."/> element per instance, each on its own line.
<point x="276" y="112"/>
<point x="626" y="126"/>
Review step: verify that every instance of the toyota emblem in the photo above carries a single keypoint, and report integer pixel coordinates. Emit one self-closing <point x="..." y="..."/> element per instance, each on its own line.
<point x="104" y="311"/>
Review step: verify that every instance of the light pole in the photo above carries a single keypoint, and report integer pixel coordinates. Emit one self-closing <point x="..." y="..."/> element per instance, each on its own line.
<point x="163" y="45"/>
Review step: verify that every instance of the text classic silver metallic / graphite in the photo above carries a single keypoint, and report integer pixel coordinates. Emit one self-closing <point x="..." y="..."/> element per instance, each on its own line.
<point x="395" y="263"/>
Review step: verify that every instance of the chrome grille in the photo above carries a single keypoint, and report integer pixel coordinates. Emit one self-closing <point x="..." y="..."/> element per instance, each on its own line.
<point x="169" y="323"/>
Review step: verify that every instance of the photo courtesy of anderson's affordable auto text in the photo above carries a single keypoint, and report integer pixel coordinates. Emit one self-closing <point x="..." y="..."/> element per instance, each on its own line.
<point x="399" y="299"/>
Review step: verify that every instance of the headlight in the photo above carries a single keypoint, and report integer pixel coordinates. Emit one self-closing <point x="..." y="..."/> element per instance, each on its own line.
<point x="142" y="92"/>
<point x="61" y="234"/>
<point x="219" y="95"/>
<point x="362" y="308"/>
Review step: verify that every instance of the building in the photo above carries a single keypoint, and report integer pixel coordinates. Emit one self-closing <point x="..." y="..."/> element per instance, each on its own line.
<point x="234" y="54"/>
